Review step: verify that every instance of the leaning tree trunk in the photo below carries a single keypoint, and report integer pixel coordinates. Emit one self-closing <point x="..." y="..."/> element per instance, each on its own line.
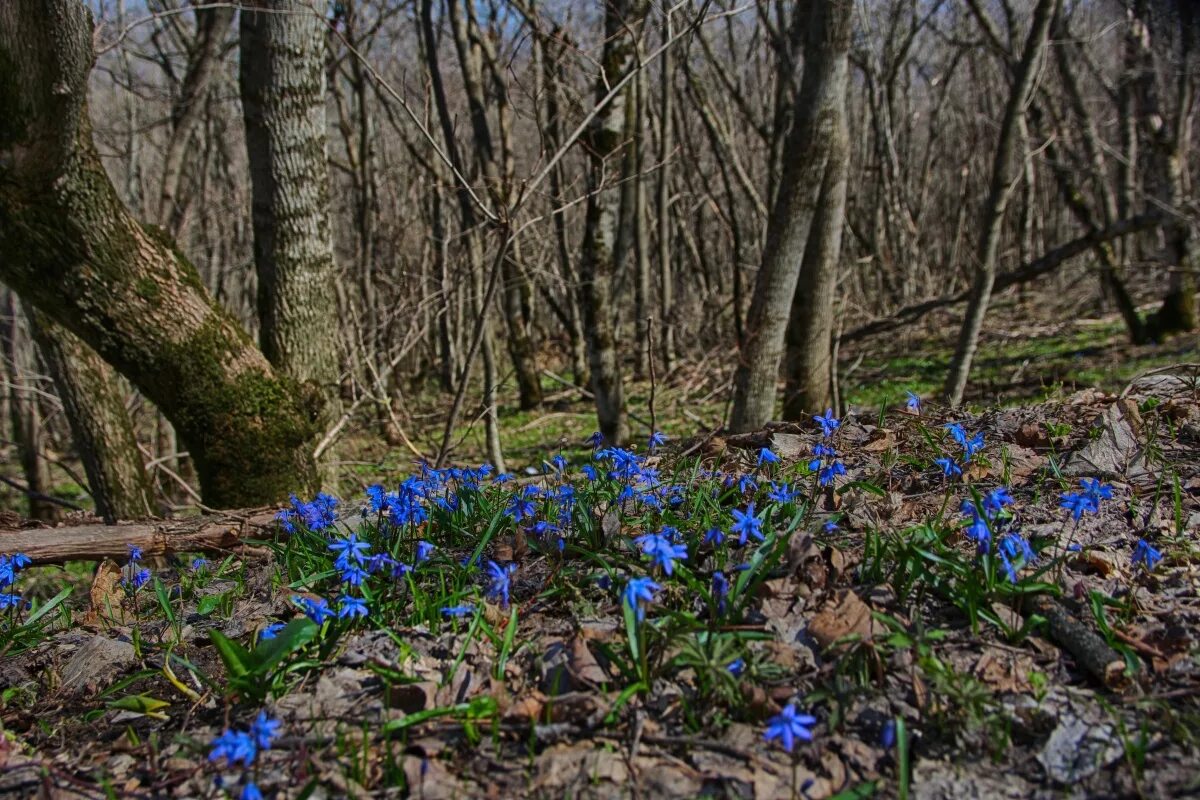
<point x="100" y="423"/>
<point x="71" y="249"/>
<point x="598" y="265"/>
<point x="809" y="360"/>
<point x="1004" y="165"/>
<point x="282" y="80"/>
<point x="822" y="91"/>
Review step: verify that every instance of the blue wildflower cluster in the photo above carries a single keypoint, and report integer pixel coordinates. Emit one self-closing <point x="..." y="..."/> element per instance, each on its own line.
<point x="10" y="566"/>
<point x="952" y="466"/>
<point x="236" y="747"/>
<point x="1088" y="500"/>
<point x="986" y="524"/>
<point x="825" y="462"/>
<point x="316" y="515"/>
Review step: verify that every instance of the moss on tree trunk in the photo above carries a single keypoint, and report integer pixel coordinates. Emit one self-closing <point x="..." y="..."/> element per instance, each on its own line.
<point x="70" y="248"/>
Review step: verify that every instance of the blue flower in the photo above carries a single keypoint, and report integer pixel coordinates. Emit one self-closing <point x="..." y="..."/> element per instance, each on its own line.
<point x="782" y="493"/>
<point x="662" y="551"/>
<point x="350" y="606"/>
<point x="887" y="737"/>
<point x="1016" y="546"/>
<point x="828" y="422"/>
<point x="914" y="403"/>
<point x="746" y="483"/>
<point x="589" y="472"/>
<point x="978" y="531"/>
<point x="639" y="591"/>
<point x="595" y="440"/>
<point x="135" y="553"/>
<point x="736" y="667"/>
<point x="559" y="462"/>
<point x="519" y="508"/>
<point x="1146" y="555"/>
<point x="821" y="451"/>
<point x="250" y="792"/>
<point x="829" y="472"/>
<point x="830" y="525"/>
<point x="139" y="579"/>
<point x="1096" y="490"/>
<point x="353" y="574"/>
<point x="714" y="536"/>
<point x="350" y="549"/>
<point x="949" y="468"/>
<point x="996" y="499"/>
<point x="317" y="610"/>
<point x="271" y="631"/>
<point x="972" y="446"/>
<point x="199" y="564"/>
<point x="9" y="600"/>
<point x="234" y="746"/>
<point x="500" y="581"/>
<point x="9" y="566"/>
<point x="957" y="432"/>
<point x="424" y="551"/>
<point x="458" y="611"/>
<point x="657" y="439"/>
<point x="375" y="495"/>
<point x="1078" y="504"/>
<point x="788" y="726"/>
<point x="746" y="524"/>
<point x="264" y="729"/>
<point x="720" y="590"/>
<point x="765" y="456"/>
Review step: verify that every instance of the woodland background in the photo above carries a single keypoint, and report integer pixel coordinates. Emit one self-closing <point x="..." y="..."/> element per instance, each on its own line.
<point x="412" y="220"/>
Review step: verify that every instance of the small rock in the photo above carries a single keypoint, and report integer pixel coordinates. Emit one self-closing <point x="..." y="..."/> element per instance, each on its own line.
<point x="97" y="663"/>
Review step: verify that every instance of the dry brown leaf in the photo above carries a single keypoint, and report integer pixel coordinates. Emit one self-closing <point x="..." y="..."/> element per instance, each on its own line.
<point x="881" y="439"/>
<point x="1004" y="670"/>
<point x="105" y="594"/>
<point x="843" y="615"/>
<point x="583" y="664"/>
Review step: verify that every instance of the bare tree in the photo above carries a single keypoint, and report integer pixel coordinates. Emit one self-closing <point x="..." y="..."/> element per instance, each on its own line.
<point x="1004" y="165"/>
<point x="603" y="141"/>
<point x="808" y="150"/>
<point x="283" y="100"/>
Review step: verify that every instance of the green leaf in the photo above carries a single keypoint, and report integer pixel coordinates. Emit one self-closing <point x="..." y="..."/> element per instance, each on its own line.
<point x="50" y="605"/>
<point x="209" y="603"/>
<point x="238" y="660"/>
<point x="295" y="635"/>
<point x="139" y="703"/>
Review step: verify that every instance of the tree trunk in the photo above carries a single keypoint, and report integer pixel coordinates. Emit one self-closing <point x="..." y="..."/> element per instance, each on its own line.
<point x="100" y="423"/>
<point x="25" y="415"/>
<point x="1004" y="165"/>
<point x="72" y="250"/>
<point x="809" y="368"/>
<point x="822" y="89"/>
<point x="282" y="79"/>
<point x="663" y="201"/>
<point x="598" y="266"/>
<point x="212" y="27"/>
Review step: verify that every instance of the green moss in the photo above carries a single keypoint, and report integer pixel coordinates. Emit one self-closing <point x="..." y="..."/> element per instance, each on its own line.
<point x="147" y="289"/>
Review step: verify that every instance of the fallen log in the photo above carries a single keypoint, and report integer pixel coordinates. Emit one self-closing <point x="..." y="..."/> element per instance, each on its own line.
<point x="205" y="534"/>
<point x="1088" y="648"/>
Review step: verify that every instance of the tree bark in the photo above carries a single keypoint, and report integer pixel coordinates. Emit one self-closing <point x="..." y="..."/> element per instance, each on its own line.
<point x="212" y="27"/>
<point x="100" y="423"/>
<point x="282" y="80"/>
<point x="809" y="367"/>
<point x="70" y="248"/>
<point x="1002" y="184"/>
<point x="24" y="413"/>
<point x="622" y="18"/>
<point x="822" y="88"/>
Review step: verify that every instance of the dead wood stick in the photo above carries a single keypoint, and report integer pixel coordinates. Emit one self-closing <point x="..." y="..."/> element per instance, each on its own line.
<point x="1088" y="648"/>
<point x="94" y="542"/>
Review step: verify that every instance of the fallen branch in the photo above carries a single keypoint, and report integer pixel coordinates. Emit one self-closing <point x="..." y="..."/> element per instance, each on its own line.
<point x="1049" y="262"/>
<point x="95" y="542"/>
<point x="1088" y="648"/>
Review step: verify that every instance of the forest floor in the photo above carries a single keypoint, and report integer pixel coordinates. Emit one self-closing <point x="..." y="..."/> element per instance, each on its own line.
<point x="902" y="604"/>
